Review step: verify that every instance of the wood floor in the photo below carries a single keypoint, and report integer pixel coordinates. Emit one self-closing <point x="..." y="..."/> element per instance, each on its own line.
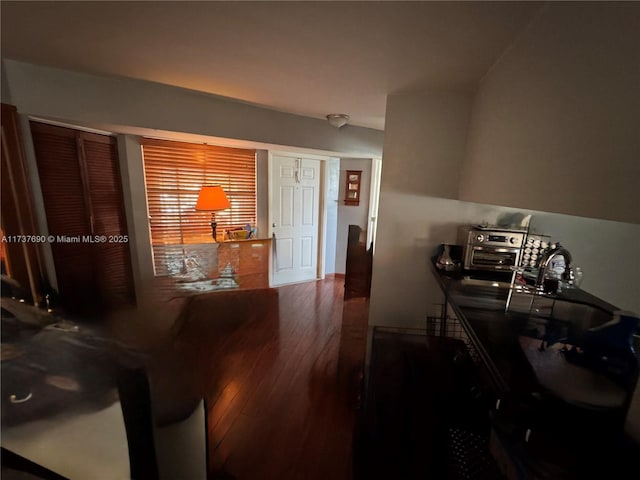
<point x="282" y="403"/>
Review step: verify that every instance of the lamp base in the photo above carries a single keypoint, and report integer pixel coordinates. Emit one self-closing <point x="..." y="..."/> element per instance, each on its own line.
<point x="213" y="231"/>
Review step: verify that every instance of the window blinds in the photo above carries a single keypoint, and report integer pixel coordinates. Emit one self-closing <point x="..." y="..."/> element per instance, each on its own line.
<point x="174" y="173"/>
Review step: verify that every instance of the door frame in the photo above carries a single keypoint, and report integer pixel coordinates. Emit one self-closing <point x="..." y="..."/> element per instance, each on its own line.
<point x="322" y="206"/>
<point x="374" y="200"/>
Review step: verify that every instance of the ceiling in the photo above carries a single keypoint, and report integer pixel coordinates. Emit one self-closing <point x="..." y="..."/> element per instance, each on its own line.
<point x="306" y="58"/>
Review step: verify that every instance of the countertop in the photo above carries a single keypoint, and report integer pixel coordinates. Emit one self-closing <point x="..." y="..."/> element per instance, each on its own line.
<point x="505" y="340"/>
<point x="576" y="412"/>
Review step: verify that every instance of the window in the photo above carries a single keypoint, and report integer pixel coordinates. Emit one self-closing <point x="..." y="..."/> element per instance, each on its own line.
<point x="174" y="173"/>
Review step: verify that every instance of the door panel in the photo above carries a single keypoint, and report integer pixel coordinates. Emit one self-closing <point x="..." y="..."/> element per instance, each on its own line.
<point x="308" y="204"/>
<point x="308" y="173"/>
<point x="287" y="171"/>
<point x="285" y="254"/>
<point x="286" y="206"/>
<point x="81" y="188"/>
<point x="306" y="252"/>
<point x="295" y="198"/>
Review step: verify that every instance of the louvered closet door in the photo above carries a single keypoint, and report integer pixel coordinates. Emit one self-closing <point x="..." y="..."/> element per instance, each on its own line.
<point x="82" y="194"/>
<point x="113" y="263"/>
<point x="67" y="214"/>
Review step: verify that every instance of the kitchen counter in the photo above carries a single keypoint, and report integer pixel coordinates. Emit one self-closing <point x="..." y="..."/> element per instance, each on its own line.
<point x="541" y="387"/>
<point x="480" y="303"/>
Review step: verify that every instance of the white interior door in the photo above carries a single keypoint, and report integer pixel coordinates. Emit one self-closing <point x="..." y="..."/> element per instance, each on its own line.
<point x="294" y="211"/>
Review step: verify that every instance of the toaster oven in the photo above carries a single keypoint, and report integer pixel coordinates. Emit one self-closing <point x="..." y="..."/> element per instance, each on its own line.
<point x="491" y="248"/>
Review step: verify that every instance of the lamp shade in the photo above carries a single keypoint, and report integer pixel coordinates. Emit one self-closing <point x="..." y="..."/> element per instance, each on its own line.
<point x="213" y="198"/>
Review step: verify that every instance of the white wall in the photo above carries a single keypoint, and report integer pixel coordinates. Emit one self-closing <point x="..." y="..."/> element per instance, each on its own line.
<point x="404" y="290"/>
<point x="137" y="214"/>
<point x="99" y="100"/>
<point x="332" y="180"/>
<point x="351" y="214"/>
<point x="262" y="167"/>
<point x="424" y="148"/>
<point x="425" y="142"/>
<point x="549" y="96"/>
<point x="607" y="251"/>
<point x="556" y="122"/>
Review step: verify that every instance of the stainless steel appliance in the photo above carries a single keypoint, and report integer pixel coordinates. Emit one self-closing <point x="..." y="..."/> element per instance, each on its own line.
<point x="490" y="247"/>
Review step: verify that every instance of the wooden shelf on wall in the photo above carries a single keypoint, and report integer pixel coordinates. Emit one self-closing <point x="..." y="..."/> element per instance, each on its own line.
<point x="352" y="190"/>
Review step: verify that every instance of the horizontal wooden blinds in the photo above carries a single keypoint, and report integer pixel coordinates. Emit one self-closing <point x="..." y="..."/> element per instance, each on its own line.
<point x="174" y="173"/>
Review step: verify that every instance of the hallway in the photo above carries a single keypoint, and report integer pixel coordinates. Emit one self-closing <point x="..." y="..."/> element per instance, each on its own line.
<point x="282" y="403"/>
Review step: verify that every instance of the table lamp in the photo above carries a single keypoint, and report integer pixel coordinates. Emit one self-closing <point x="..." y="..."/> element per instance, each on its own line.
<point x="212" y="198"/>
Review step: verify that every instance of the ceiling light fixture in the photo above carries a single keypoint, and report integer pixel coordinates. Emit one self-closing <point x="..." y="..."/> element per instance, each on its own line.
<point x="337" y="120"/>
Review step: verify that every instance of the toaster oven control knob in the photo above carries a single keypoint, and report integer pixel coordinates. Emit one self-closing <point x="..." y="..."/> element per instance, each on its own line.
<point x="479" y="237"/>
<point x="513" y="240"/>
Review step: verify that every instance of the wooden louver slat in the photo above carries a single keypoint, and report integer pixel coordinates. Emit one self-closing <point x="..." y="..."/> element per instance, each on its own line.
<point x="174" y="174"/>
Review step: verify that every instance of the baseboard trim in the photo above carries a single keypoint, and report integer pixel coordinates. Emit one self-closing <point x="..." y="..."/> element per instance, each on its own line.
<point x="334" y="275"/>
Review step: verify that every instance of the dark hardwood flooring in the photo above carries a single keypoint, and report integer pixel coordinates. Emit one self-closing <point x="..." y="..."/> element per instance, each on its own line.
<point x="285" y="397"/>
<point x="282" y="402"/>
<point x="279" y="369"/>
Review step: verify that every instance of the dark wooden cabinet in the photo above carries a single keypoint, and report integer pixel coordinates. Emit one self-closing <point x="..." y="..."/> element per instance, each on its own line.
<point x="21" y="260"/>
<point x="357" y="279"/>
<point x="249" y="259"/>
<point x="82" y="193"/>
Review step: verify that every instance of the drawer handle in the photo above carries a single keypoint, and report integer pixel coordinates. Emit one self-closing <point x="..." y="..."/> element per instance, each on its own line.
<point x="14" y="399"/>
